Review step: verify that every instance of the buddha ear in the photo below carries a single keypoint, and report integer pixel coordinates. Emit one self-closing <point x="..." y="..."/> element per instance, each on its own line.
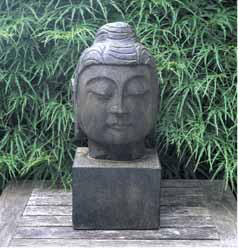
<point x="76" y="126"/>
<point x="73" y="84"/>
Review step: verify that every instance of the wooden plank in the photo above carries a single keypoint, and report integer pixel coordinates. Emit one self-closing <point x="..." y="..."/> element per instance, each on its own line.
<point x="62" y="200"/>
<point x="186" y="221"/>
<point x="171" y="196"/>
<point x="163" y="233"/>
<point x="189" y="183"/>
<point x="224" y="213"/>
<point x="165" y="183"/>
<point x="50" y="192"/>
<point x="51" y="220"/>
<point x="65" y="220"/>
<point x="53" y="200"/>
<point x="183" y="211"/>
<point x="113" y="243"/>
<point x="48" y="210"/>
<point x="164" y="210"/>
<point x="12" y="203"/>
<point x="164" y="192"/>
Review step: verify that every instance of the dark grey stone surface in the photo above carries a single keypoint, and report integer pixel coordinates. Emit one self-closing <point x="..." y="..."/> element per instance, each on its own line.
<point x="115" y="194"/>
<point x="116" y="94"/>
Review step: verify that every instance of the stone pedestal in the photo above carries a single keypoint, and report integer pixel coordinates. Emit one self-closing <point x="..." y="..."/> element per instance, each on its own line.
<point x="116" y="194"/>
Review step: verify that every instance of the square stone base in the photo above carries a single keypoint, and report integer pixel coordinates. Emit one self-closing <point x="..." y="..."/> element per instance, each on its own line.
<point x="116" y="194"/>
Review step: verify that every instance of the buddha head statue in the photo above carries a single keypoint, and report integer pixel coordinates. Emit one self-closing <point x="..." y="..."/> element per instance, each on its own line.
<point x="115" y="94"/>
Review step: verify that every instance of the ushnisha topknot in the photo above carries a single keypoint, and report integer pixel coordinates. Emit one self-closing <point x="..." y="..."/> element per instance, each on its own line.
<point x="117" y="31"/>
<point x="115" y="44"/>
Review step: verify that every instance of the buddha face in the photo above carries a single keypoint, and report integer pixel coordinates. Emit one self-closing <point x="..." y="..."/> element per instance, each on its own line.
<point x="117" y="104"/>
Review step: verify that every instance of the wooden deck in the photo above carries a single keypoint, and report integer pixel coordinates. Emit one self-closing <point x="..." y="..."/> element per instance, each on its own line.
<point x="193" y="213"/>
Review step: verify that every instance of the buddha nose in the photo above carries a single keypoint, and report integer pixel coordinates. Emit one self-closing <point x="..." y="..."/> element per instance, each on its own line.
<point x="118" y="107"/>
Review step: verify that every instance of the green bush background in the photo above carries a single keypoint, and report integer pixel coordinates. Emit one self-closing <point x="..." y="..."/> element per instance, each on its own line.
<point x="194" y="44"/>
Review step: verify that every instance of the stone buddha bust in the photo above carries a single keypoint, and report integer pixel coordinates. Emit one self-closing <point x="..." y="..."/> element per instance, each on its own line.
<point x="115" y="94"/>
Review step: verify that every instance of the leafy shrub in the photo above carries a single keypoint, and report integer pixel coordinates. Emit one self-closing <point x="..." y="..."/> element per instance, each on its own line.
<point x="193" y="43"/>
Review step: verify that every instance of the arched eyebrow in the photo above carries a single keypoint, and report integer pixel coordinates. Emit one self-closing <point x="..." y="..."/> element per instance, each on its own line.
<point x="94" y="80"/>
<point x="136" y="76"/>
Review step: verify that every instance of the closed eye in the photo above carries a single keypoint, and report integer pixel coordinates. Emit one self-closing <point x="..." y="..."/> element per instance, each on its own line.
<point x="137" y="86"/>
<point x="101" y="87"/>
<point x="100" y="94"/>
<point x="137" y="93"/>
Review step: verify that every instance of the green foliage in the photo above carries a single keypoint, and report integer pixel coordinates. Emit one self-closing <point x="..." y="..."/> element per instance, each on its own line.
<point x="193" y="43"/>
